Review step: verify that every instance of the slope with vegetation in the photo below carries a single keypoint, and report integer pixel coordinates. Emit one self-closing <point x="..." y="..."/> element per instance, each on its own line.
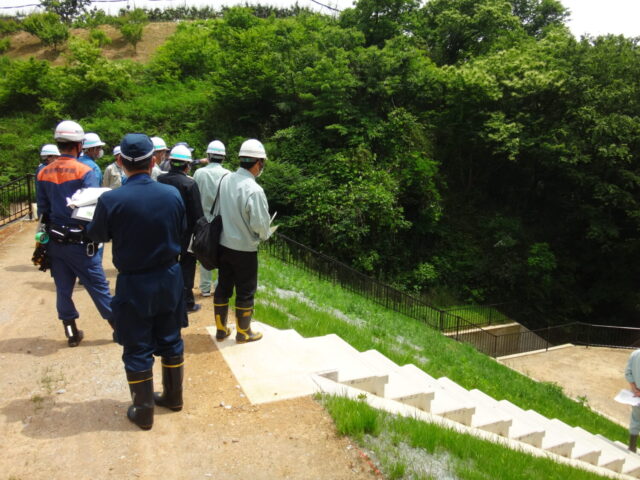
<point x="407" y="448"/>
<point x="465" y="149"/>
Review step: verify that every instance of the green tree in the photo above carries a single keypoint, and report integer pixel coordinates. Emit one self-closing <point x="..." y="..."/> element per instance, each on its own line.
<point x="132" y="25"/>
<point x="67" y="10"/>
<point x="47" y="27"/>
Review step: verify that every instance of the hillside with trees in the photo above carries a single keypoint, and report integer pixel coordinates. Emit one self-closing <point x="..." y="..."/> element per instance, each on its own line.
<point x="465" y="150"/>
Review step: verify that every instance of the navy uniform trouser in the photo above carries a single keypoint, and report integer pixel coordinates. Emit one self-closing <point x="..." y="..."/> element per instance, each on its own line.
<point x="188" y="265"/>
<point x="70" y="261"/>
<point x="148" y="311"/>
<point x="240" y="270"/>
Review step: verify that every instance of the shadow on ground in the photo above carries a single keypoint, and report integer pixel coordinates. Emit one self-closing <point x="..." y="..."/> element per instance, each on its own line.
<point x="52" y="418"/>
<point x="41" y="347"/>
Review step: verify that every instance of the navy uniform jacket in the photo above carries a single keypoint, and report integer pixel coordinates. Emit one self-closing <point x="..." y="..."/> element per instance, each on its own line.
<point x="56" y="182"/>
<point x="190" y="194"/>
<point x="145" y="220"/>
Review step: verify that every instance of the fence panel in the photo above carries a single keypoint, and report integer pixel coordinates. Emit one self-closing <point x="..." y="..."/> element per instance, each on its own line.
<point x="16" y="198"/>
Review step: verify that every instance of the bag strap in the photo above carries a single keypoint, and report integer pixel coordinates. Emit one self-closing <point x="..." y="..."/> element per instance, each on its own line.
<point x="217" y="194"/>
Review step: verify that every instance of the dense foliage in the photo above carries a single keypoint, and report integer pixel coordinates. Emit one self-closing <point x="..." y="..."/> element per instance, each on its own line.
<point x="467" y="146"/>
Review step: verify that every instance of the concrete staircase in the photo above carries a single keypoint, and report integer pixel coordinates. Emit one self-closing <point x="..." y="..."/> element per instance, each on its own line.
<point x="286" y="365"/>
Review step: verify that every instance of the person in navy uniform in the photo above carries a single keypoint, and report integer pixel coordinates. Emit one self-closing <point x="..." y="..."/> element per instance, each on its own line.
<point x="180" y="160"/>
<point x="72" y="253"/>
<point x="146" y="221"/>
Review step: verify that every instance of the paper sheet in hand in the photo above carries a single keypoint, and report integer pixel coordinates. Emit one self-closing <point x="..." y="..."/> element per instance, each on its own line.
<point x="84" y="213"/>
<point x="86" y="196"/>
<point x="626" y="397"/>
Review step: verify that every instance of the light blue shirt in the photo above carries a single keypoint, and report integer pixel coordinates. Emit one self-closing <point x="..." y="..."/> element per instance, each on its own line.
<point x="87" y="160"/>
<point x="244" y="210"/>
<point x="632" y="372"/>
<point x="208" y="178"/>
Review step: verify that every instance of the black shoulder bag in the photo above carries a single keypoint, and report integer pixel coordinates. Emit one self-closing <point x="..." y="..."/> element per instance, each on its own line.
<point x="206" y="237"/>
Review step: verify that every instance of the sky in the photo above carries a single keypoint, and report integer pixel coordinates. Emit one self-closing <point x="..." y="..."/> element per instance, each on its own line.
<point x="593" y="17"/>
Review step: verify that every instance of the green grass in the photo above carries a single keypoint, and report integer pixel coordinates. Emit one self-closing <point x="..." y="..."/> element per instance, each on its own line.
<point x="291" y="298"/>
<point x="409" y="448"/>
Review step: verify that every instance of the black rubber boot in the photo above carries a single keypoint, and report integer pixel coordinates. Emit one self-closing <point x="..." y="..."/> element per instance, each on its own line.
<point x="74" y="336"/>
<point x="172" y="375"/>
<point x="633" y="443"/>
<point x="221" y="311"/>
<point x="243" y="325"/>
<point x="141" y="387"/>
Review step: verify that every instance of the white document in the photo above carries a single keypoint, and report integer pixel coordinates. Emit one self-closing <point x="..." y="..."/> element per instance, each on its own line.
<point x="626" y="397"/>
<point x="86" y="196"/>
<point x="274" y="216"/>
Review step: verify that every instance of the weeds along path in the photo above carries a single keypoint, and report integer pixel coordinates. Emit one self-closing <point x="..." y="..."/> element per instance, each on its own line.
<point x="62" y="412"/>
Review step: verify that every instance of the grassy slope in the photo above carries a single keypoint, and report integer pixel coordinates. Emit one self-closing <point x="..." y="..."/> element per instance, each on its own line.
<point x="318" y="307"/>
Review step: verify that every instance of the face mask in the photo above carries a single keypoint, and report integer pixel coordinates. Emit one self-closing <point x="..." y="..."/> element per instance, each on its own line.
<point x="261" y="170"/>
<point x="101" y="153"/>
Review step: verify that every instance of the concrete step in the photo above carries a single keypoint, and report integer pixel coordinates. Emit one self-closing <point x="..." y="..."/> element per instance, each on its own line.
<point x="443" y="404"/>
<point x="398" y="388"/>
<point x="610" y="458"/>
<point x="558" y="444"/>
<point x="582" y="450"/>
<point x="486" y="418"/>
<point x="521" y="430"/>
<point x="623" y="460"/>
<point x="351" y="368"/>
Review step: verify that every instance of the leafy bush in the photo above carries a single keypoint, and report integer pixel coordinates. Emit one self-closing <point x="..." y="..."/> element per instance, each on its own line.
<point x="5" y="44"/>
<point x="8" y="26"/>
<point x="99" y="37"/>
<point x="47" y="27"/>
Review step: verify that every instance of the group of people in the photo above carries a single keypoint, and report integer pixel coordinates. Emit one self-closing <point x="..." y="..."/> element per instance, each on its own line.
<point x="149" y="216"/>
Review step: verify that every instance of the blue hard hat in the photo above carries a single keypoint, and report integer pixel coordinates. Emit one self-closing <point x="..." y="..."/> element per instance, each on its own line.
<point x="136" y="147"/>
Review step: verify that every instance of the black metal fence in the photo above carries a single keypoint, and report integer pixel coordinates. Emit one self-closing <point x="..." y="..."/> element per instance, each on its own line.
<point x="16" y="199"/>
<point x="452" y="325"/>
<point x="481" y="315"/>
<point x="294" y="253"/>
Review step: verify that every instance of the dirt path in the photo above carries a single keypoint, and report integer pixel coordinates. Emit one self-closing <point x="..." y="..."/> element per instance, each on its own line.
<point x="593" y="374"/>
<point x="62" y="411"/>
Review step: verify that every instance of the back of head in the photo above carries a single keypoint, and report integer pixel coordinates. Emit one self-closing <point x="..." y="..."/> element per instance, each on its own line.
<point x="49" y="150"/>
<point x="180" y="156"/>
<point x="216" y="151"/>
<point x="67" y="134"/>
<point x="136" y="152"/>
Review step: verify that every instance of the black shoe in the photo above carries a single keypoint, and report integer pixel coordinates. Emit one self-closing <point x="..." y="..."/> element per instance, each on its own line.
<point x="74" y="336"/>
<point x="194" y="308"/>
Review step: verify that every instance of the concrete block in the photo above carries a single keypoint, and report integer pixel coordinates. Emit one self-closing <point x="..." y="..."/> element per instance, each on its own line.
<point x="443" y="404"/>
<point x="485" y="417"/>
<point x="558" y="444"/>
<point x="520" y="430"/>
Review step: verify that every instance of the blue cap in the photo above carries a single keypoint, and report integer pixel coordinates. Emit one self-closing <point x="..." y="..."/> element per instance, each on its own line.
<point x="136" y="147"/>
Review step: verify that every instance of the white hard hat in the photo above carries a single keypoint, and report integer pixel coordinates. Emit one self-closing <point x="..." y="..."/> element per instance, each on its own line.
<point x="69" y="131"/>
<point x="92" y="140"/>
<point x="252" y="149"/>
<point x="181" y="154"/>
<point x="49" y="149"/>
<point x="158" y="143"/>
<point x="216" y="148"/>
<point x="116" y="150"/>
